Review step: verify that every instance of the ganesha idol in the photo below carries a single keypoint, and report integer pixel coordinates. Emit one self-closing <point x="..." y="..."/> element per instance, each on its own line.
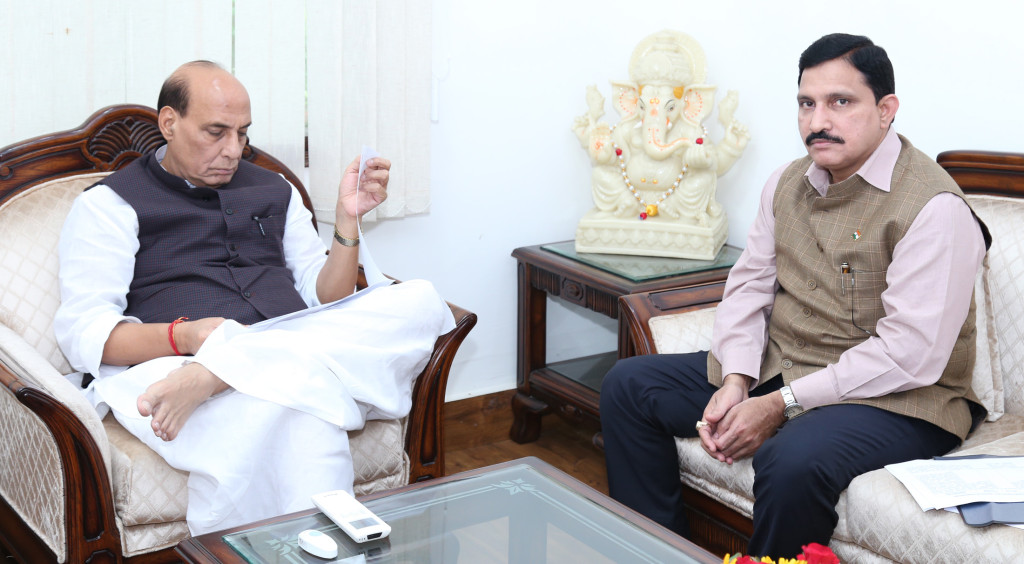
<point x="655" y="172"/>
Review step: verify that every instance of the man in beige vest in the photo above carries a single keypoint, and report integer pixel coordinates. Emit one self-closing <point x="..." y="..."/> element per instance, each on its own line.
<point x="845" y="340"/>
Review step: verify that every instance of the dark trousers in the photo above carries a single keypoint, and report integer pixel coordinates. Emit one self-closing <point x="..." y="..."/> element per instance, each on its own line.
<point x="799" y="473"/>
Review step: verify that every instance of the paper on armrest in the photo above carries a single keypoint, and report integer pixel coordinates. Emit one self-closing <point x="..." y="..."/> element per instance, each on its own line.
<point x="937" y="484"/>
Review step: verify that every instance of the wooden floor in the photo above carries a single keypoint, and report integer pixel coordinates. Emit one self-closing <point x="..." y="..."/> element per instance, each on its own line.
<point x="476" y="434"/>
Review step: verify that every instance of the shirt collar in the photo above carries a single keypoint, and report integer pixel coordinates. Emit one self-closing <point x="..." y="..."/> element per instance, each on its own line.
<point x="876" y="171"/>
<point x="160" y="153"/>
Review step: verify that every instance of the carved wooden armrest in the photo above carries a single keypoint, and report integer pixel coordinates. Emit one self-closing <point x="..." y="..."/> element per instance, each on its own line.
<point x="56" y="441"/>
<point x="639" y="309"/>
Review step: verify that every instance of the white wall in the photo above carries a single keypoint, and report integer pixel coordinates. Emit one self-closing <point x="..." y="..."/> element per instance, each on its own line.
<point x="507" y="171"/>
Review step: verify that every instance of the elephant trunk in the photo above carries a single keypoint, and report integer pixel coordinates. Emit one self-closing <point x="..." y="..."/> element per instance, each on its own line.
<point x="656" y="145"/>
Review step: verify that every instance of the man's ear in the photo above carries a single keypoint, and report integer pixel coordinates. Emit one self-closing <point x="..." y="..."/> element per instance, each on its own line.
<point x="166" y="120"/>
<point x="887" y="107"/>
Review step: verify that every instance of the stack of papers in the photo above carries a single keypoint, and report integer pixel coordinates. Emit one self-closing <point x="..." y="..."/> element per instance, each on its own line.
<point x="950" y="482"/>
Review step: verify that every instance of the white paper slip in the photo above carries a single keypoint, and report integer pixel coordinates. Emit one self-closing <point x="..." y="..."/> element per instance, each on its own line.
<point x="937" y="484"/>
<point x="373" y="274"/>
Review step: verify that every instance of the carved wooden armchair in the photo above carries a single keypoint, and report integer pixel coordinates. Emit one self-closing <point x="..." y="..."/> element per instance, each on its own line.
<point x="76" y="488"/>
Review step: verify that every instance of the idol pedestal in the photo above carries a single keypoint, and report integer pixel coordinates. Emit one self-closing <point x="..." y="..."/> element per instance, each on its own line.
<point x="654" y="237"/>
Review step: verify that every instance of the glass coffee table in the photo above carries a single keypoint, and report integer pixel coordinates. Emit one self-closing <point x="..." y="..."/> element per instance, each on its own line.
<point x="520" y="511"/>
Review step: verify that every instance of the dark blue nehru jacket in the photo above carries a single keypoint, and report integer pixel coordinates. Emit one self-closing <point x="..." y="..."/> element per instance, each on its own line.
<point x="208" y="252"/>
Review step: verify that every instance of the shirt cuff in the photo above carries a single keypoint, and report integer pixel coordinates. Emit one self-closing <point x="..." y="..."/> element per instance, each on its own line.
<point x="94" y="339"/>
<point x="747" y="363"/>
<point x="814" y="390"/>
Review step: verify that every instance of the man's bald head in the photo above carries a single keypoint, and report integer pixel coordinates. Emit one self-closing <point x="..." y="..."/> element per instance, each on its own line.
<point x="176" y="92"/>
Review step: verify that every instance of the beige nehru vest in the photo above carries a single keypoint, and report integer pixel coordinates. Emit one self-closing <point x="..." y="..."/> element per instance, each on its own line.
<point x="820" y="312"/>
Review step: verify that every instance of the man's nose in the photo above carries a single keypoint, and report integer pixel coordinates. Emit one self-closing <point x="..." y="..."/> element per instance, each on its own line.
<point x="820" y="120"/>
<point x="233" y="148"/>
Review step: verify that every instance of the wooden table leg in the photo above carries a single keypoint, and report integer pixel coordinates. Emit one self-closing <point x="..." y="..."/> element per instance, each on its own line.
<point x="532" y="354"/>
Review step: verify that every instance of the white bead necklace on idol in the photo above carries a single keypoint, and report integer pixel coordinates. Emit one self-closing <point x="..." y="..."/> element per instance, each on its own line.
<point x="650" y="210"/>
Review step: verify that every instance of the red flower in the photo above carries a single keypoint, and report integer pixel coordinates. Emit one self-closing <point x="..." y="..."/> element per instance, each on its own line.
<point x="746" y="560"/>
<point x="815" y="553"/>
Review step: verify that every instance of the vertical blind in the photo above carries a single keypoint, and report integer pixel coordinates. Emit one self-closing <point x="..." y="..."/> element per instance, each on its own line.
<point x="344" y="73"/>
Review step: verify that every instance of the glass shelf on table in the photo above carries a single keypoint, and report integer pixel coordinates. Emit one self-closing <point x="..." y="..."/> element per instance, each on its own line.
<point x="641" y="268"/>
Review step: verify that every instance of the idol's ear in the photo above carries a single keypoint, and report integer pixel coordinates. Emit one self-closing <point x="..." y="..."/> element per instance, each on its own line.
<point x="624" y="98"/>
<point x="699" y="100"/>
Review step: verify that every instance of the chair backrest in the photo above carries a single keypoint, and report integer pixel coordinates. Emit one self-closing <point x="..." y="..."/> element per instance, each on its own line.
<point x="994" y="184"/>
<point x="39" y="179"/>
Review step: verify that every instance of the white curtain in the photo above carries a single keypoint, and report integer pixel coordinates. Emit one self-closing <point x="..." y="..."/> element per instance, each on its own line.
<point x="369" y="84"/>
<point x="364" y="66"/>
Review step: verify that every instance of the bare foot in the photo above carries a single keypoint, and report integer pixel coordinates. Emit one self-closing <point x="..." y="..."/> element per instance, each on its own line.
<point x="172" y="400"/>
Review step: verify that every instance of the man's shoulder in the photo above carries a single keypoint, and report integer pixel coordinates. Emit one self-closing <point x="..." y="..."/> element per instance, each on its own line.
<point x="915" y="168"/>
<point x="793" y="169"/>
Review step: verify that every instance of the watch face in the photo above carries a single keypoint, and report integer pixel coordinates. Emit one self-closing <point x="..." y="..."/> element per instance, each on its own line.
<point x="793" y="410"/>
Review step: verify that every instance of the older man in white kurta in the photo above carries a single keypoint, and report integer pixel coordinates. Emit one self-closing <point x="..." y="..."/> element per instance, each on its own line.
<point x="174" y="255"/>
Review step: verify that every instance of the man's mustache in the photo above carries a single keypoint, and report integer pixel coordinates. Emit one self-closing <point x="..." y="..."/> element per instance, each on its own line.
<point x="824" y="136"/>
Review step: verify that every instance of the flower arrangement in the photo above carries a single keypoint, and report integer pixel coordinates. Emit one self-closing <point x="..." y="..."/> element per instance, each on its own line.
<point x="813" y="553"/>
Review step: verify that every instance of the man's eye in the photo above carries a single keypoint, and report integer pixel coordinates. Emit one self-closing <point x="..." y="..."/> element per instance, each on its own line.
<point x="842" y="102"/>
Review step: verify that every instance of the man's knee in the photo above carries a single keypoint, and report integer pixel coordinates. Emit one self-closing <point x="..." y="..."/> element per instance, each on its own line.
<point x="620" y="385"/>
<point x="778" y="465"/>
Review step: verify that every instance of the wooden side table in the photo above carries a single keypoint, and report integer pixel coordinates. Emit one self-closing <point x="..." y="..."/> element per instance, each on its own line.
<point x="593" y="281"/>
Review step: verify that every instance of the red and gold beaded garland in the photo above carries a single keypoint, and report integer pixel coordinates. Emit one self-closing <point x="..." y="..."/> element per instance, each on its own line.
<point x="649" y="210"/>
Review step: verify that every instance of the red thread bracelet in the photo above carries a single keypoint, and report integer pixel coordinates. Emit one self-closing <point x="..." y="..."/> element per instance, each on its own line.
<point x="170" y="333"/>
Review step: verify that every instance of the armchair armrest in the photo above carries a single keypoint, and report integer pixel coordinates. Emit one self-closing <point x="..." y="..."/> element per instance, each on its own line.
<point x="425" y="438"/>
<point x="640" y="309"/>
<point x="55" y="460"/>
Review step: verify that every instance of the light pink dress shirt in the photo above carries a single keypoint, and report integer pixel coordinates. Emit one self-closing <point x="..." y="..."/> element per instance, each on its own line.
<point x="930" y="284"/>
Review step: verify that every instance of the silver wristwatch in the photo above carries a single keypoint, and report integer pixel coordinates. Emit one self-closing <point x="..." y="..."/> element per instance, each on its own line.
<point x="793" y="408"/>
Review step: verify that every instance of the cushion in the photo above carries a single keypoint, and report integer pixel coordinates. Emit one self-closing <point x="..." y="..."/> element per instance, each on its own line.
<point x="987" y="379"/>
<point x="29" y="231"/>
<point x="378" y="453"/>
<point x="1005" y="287"/>
<point x="880" y="513"/>
<point x="148" y="491"/>
<point x="731" y="485"/>
<point x="683" y="332"/>
<point x="1007" y="425"/>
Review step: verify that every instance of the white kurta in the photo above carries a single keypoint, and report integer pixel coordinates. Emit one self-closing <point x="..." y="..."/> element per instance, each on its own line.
<point x="299" y="385"/>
